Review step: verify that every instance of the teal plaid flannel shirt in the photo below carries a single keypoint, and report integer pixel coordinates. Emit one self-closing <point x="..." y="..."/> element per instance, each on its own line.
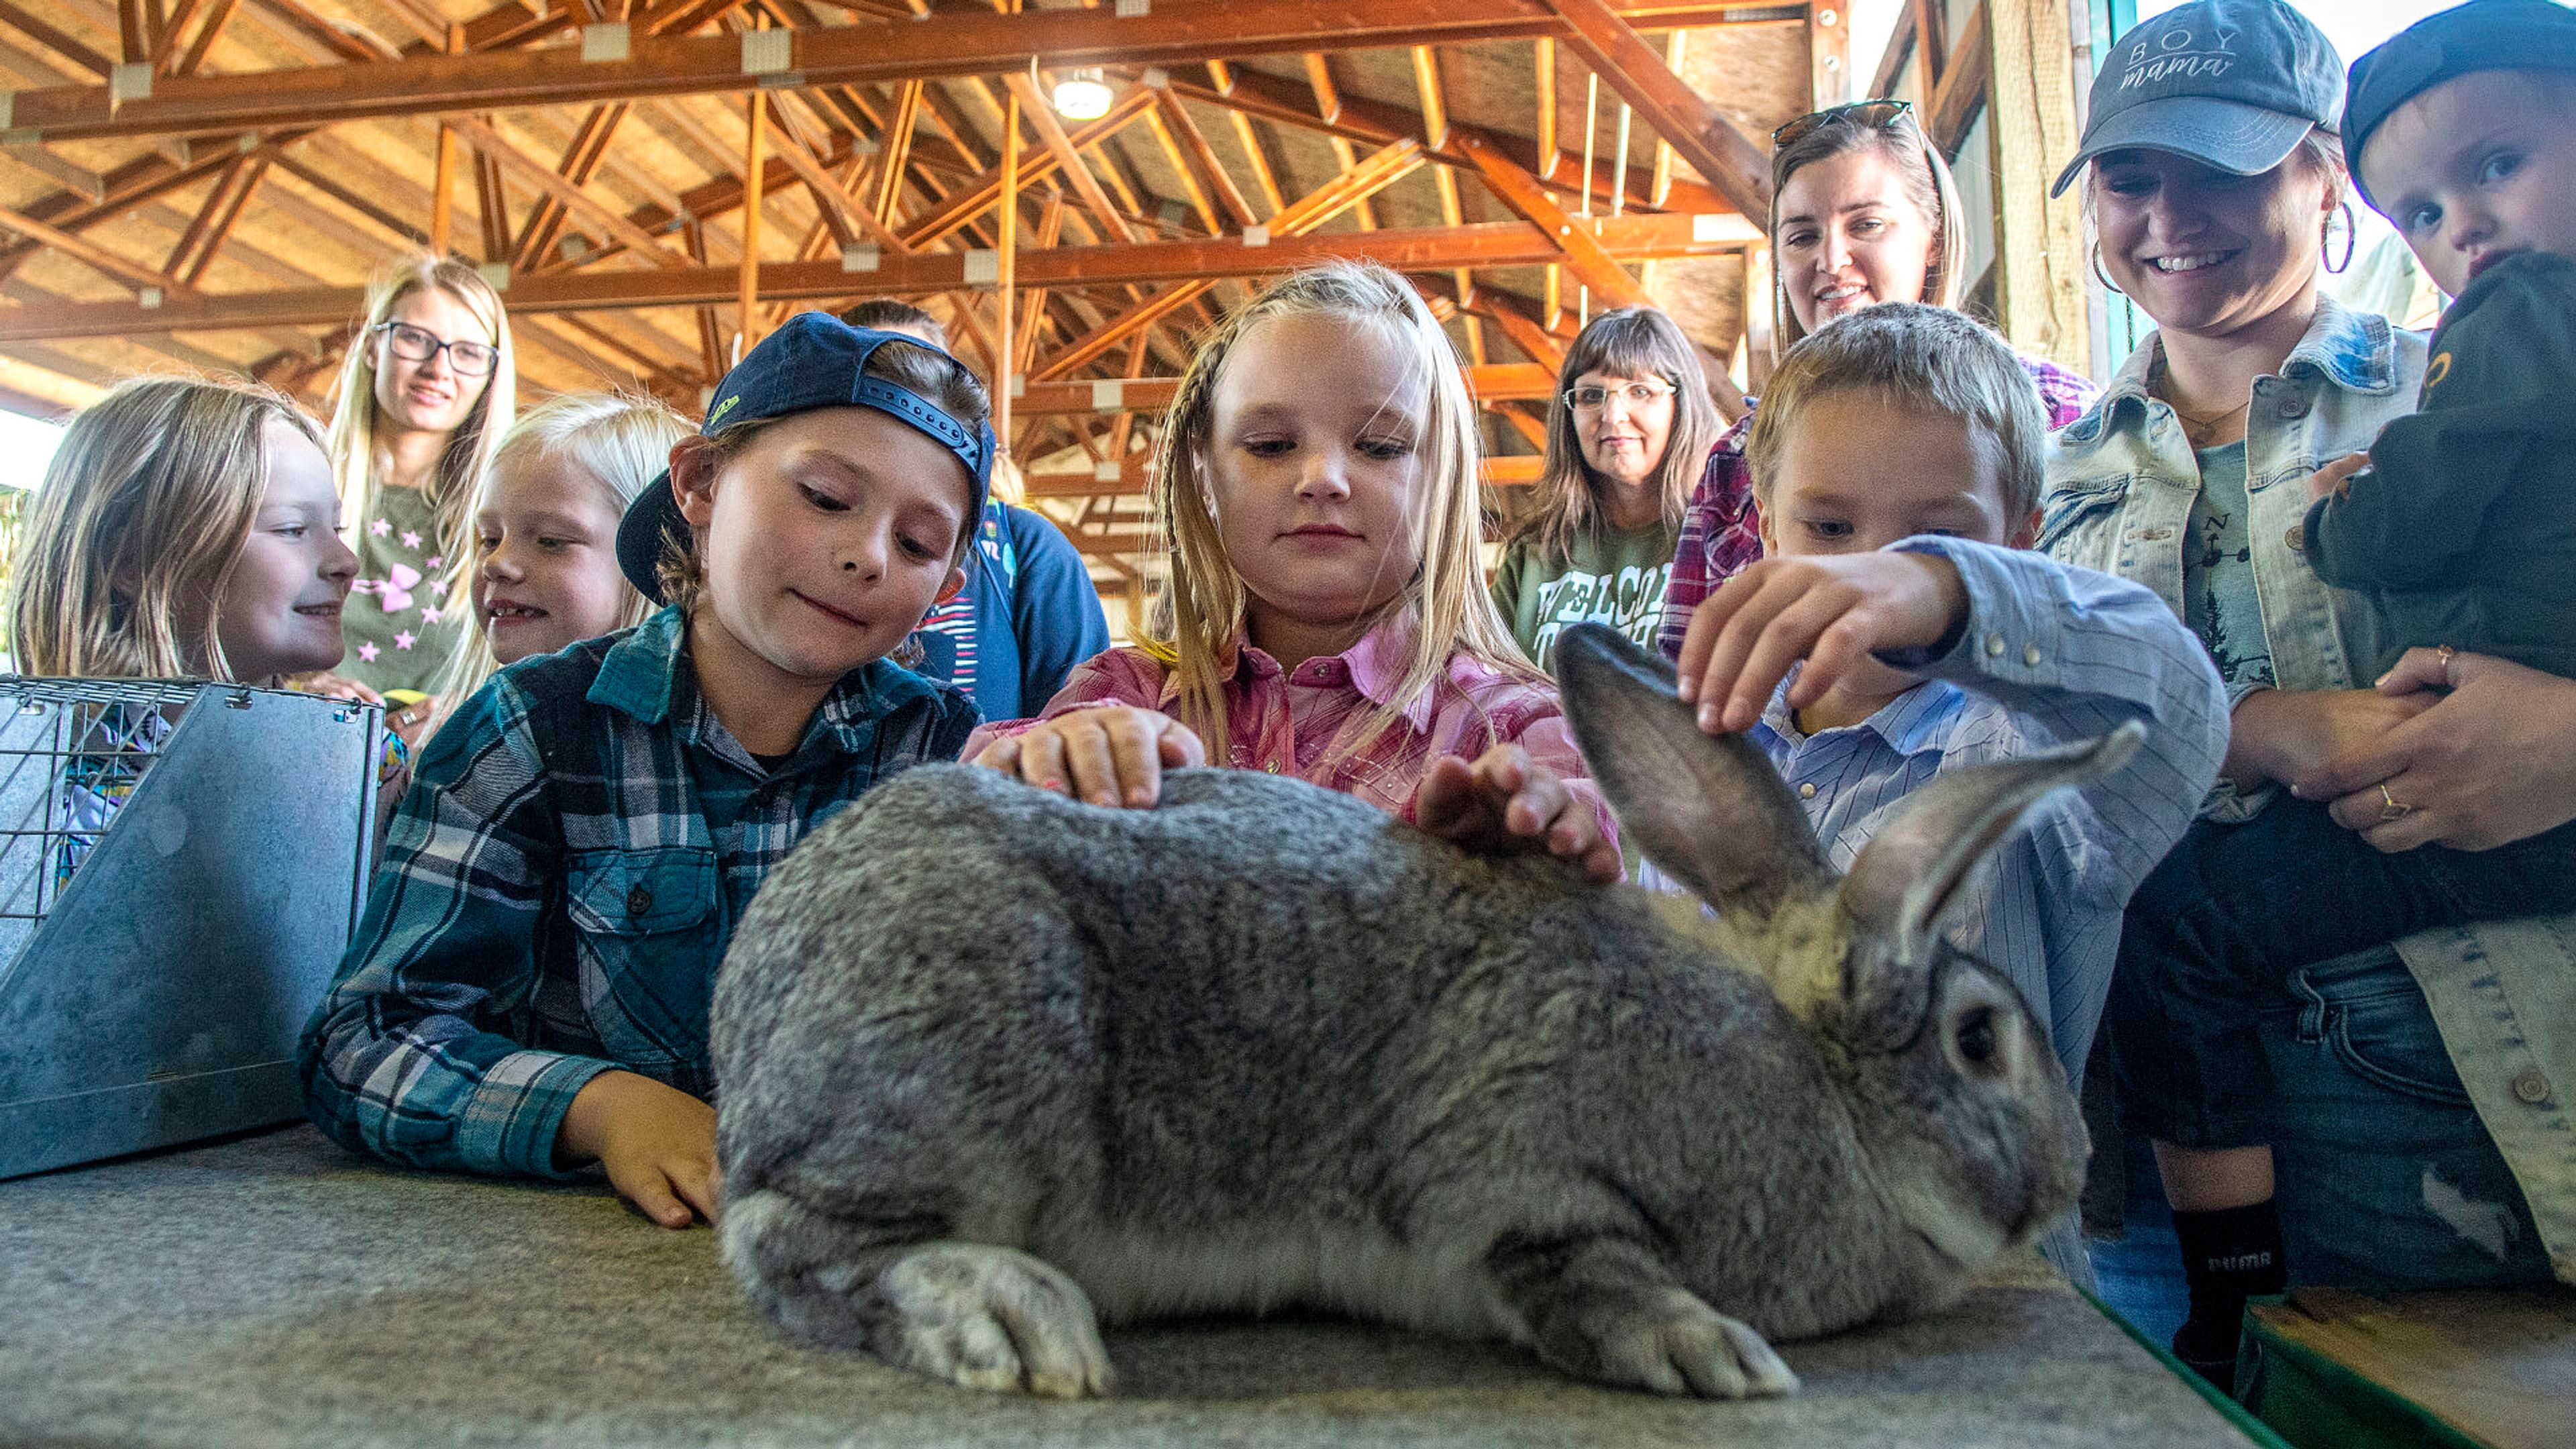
<point x="555" y="897"/>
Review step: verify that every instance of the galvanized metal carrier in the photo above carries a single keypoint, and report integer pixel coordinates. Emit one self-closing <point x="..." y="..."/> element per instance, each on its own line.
<point x="181" y="865"/>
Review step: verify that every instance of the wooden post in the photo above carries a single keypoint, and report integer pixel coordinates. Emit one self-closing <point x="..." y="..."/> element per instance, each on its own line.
<point x="759" y="115"/>
<point x="2039" y="243"/>
<point x="442" y="190"/>
<point x="1009" y="246"/>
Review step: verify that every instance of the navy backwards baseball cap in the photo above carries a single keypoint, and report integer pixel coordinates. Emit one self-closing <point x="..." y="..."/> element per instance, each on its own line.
<point x="2481" y="35"/>
<point x="813" y="361"/>
<point x="2235" y="84"/>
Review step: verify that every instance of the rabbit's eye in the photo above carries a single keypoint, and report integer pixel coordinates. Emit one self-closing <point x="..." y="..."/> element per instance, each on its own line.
<point x="1977" y="1036"/>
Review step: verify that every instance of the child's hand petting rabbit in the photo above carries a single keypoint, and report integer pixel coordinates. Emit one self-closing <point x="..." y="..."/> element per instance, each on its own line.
<point x="1503" y="802"/>
<point x="1830" y="610"/>
<point x="1112" y="754"/>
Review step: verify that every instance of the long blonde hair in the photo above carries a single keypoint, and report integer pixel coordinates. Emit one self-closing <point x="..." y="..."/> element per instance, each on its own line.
<point x="356" y="465"/>
<point x="1626" y="342"/>
<point x="620" y="439"/>
<point x="1928" y="185"/>
<point x="131" y="541"/>
<point x="1445" y="600"/>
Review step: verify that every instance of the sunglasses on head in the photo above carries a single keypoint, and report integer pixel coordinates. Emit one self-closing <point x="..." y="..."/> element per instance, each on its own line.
<point x="1881" y="114"/>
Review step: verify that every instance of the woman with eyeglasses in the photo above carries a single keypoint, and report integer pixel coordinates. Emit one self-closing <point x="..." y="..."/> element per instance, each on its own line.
<point x="1628" y="433"/>
<point x="1862" y="212"/>
<point x="428" y="390"/>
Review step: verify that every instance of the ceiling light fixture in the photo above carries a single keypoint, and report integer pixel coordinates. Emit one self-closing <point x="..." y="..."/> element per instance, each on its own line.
<point x="1082" y="95"/>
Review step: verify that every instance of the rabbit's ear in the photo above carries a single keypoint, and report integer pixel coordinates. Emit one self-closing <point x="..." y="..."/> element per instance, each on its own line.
<point x="1909" y="875"/>
<point x="1711" y="812"/>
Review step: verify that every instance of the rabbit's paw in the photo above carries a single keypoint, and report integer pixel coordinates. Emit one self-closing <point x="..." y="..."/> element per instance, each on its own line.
<point x="1679" y="1345"/>
<point x="987" y="1318"/>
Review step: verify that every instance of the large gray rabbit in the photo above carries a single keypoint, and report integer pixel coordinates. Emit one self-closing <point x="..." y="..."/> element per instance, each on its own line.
<point x="994" y="1062"/>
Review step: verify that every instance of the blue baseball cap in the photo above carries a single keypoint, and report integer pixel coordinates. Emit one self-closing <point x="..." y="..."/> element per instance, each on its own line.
<point x="2235" y="84"/>
<point x="2481" y="35"/>
<point x="813" y="361"/>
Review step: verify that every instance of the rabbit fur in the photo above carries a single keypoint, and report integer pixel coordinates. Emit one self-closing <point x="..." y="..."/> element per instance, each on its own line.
<point x="996" y="1065"/>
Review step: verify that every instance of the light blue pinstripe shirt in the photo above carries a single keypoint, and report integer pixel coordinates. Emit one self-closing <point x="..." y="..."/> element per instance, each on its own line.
<point x="2051" y="655"/>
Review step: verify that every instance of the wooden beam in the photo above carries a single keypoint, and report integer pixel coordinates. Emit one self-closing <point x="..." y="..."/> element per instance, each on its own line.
<point x="1003" y="363"/>
<point x="316" y="27"/>
<point x="216" y="196"/>
<point x="895" y="148"/>
<point x="1963" y="84"/>
<point x="1131" y="476"/>
<point x="222" y="230"/>
<point x="1543" y="133"/>
<point x="1498" y="382"/>
<point x="581" y="159"/>
<point x="132" y="45"/>
<point x="1041" y="118"/>
<point x="959" y="44"/>
<point x="167" y="43"/>
<point x="488" y="143"/>
<point x="195" y="55"/>
<point x="2039" y="240"/>
<point x="1373" y="123"/>
<point x="1381" y="169"/>
<point x="1583" y="253"/>
<point x="1739" y="169"/>
<point x="1419" y="249"/>
<point x="756" y="109"/>
<point x="1319" y="79"/>
<point x="985" y="192"/>
<point x="55" y="39"/>
<point x="442" y="193"/>
<point x="81" y="248"/>
<point x="1262" y="174"/>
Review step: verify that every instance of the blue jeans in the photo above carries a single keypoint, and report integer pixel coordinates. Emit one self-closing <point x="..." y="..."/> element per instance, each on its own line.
<point x="2214" y="937"/>
<point x="2387" y="1182"/>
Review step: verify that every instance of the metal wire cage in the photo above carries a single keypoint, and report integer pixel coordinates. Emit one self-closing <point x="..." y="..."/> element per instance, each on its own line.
<point x="181" y="864"/>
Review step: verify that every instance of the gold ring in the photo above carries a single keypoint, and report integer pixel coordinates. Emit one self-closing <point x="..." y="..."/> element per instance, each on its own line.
<point x="2389" y="809"/>
<point x="2446" y="654"/>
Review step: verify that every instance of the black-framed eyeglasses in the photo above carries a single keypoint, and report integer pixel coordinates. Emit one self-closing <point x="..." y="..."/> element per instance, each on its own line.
<point x="1592" y="398"/>
<point x="1880" y="113"/>
<point x="413" y="344"/>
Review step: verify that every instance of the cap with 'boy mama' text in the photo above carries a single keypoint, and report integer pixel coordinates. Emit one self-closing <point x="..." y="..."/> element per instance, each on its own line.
<point x="2235" y="84"/>
<point x="2481" y="35"/>
<point x="814" y="360"/>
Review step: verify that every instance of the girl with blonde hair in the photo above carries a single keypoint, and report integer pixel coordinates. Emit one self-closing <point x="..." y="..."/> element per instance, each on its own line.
<point x="427" y="392"/>
<point x="186" y="529"/>
<point x="545" y="572"/>
<point x="1315" y="488"/>
<point x="1863" y="211"/>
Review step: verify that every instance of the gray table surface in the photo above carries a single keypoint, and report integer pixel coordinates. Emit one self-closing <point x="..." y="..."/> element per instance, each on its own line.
<point x="274" y="1290"/>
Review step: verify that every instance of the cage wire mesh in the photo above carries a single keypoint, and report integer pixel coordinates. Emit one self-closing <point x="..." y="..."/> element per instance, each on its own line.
<point x="71" y="752"/>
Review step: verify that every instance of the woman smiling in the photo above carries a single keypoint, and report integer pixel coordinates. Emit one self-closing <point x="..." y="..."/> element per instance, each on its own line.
<point x="1862" y="212"/>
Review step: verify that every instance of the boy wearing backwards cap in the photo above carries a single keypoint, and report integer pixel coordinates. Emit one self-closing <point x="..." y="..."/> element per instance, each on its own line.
<point x="527" y="992"/>
<point x="2462" y="533"/>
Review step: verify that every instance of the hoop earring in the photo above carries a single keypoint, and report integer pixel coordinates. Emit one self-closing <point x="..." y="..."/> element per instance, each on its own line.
<point x="2107" y="285"/>
<point x="2351" y="235"/>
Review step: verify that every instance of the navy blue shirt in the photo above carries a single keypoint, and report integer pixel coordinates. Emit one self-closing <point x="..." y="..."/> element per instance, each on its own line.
<point x="1027" y="616"/>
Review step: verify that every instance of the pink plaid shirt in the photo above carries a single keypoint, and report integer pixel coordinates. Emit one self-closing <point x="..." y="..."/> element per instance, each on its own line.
<point x="1721" y="536"/>
<point x="1289" y="723"/>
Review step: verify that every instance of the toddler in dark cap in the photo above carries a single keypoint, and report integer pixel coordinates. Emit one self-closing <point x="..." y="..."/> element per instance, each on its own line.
<point x="2462" y="131"/>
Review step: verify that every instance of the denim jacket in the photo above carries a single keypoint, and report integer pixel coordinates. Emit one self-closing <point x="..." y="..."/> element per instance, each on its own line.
<point x="2122" y="480"/>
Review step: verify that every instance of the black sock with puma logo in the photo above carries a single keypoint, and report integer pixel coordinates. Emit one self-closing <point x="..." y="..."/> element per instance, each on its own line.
<point x="2228" y="1256"/>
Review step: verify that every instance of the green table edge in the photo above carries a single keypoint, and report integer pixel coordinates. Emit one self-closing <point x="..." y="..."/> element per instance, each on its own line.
<point x="2235" y="1413"/>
